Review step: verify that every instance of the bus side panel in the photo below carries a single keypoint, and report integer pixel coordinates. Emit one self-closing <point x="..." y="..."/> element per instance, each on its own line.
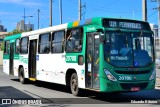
<point x="44" y="67"/>
<point x="6" y="66"/>
<point x="72" y="63"/>
<point x="51" y="68"/>
<point x="23" y="60"/>
<point x="16" y="65"/>
<point x="80" y="70"/>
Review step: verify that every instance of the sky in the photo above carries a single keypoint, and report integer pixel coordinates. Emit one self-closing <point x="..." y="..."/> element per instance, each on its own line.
<point x="12" y="11"/>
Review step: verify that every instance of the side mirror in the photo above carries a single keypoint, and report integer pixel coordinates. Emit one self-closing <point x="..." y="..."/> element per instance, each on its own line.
<point x="100" y="30"/>
<point x="80" y="59"/>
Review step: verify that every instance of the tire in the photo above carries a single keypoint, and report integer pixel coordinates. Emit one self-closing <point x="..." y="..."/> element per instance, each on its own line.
<point x="22" y="79"/>
<point x="74" y="84"/>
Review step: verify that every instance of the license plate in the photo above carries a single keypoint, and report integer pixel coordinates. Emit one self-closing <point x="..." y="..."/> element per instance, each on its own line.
<point x="135" y="89"/>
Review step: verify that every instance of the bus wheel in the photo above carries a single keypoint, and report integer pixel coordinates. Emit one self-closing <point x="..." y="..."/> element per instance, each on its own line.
<point x="74" y="84"/>
<point x="21" y="76"/>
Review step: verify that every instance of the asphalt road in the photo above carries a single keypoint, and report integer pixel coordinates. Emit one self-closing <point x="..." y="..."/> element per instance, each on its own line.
<point x="49" y="94"/>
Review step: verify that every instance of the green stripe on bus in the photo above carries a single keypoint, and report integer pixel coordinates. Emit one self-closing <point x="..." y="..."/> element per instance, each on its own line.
<point x="12" y="38"/>
<point x="6" y="56"/>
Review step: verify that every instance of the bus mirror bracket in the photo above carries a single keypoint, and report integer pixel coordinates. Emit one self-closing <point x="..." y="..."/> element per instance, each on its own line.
<point x="101" y="35"/>
<point x="102" y="38"/>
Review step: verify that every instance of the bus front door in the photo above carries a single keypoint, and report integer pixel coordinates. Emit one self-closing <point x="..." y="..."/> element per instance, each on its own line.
<point x="11" y="57"/>
<point x="32" y="58"/>
<point x="92" y="74"/>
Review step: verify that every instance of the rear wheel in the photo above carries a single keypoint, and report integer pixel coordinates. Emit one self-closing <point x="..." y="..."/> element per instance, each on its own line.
<point x="22" y="79"/>
<point x="74" y="84"/>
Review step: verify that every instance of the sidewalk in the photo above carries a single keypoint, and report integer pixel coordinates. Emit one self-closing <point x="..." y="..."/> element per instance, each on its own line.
<point x="1" y="66"/>
<point x="157" y="79"/>
<point x="157" y="83"/>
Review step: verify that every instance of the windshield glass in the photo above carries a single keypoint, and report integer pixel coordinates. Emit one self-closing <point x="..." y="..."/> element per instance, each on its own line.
<point x="126" y="49"/>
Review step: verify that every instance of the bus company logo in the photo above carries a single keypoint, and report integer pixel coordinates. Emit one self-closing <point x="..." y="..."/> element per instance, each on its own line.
<point x="21" y="101"/>
<point x="23" y="60"/>
<point x="6" y="101"/>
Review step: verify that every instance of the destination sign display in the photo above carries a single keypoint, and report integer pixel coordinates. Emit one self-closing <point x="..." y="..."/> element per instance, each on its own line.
<point x="125" y="24"/>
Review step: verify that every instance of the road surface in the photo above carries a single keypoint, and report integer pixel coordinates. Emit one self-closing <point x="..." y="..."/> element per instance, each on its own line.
<point x="49" y="94"/>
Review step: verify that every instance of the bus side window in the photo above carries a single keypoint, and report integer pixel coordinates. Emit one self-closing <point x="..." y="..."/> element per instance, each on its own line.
<point x="18" y="46"/>
<point x="24" y="45"/>
<point x="44" y="43"/>
<point x="74" y="40"/>
<point x="6" y="47"/>
<point x="57" y="42"/>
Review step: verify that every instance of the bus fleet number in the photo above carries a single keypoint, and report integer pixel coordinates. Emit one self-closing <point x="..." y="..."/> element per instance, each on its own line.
<point x="125" y="78"/>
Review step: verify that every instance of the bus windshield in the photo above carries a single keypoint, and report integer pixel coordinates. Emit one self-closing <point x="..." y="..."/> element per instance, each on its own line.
<point x="128" y="49"/>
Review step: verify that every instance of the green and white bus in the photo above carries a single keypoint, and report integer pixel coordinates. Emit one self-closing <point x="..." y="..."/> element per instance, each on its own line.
<point x="101" y="54"/>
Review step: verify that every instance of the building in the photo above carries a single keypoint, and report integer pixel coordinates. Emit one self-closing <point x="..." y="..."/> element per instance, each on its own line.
<point x="3" y="32"/>
<point x="29" y="27"/>
<point x="2" y="29"/>
<point x="154" y="28"/>
<point x="22" y="26"/>
<point x="2" y="35"/>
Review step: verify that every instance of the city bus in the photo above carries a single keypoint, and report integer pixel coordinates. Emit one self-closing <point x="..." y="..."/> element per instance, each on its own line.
<point x="100" y="54"/>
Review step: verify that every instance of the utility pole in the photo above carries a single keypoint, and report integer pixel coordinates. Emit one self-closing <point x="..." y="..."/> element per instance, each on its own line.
<point x="158" y="8"/>
<point x="79" y="9"/>
<point x="60" y="10"/>
<point x="24" y="19"/>
<point x="144" y="10"/>
<point x="38" y="17"/>
<point x="50" y="12"/>
<point x="158" y="17"/>
<point x="83" y="10"/>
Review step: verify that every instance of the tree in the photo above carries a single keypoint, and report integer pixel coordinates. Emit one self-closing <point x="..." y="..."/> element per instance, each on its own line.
<point x="15" y="31"/>
<point x="1" y="46"/>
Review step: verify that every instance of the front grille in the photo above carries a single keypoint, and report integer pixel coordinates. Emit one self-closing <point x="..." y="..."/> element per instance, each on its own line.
<point x="132" y="72"/>
<point x="128" y="86"/>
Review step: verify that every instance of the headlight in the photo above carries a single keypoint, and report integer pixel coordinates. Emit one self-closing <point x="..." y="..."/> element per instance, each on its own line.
<point x="153" y="76"/>
<point x="109" y="75"/>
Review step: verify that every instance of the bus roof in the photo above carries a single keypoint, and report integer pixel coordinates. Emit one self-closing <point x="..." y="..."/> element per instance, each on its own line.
<point x="95" y="21"/>
<point x="45" y="30"/>
<point x="12" y="37"/>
